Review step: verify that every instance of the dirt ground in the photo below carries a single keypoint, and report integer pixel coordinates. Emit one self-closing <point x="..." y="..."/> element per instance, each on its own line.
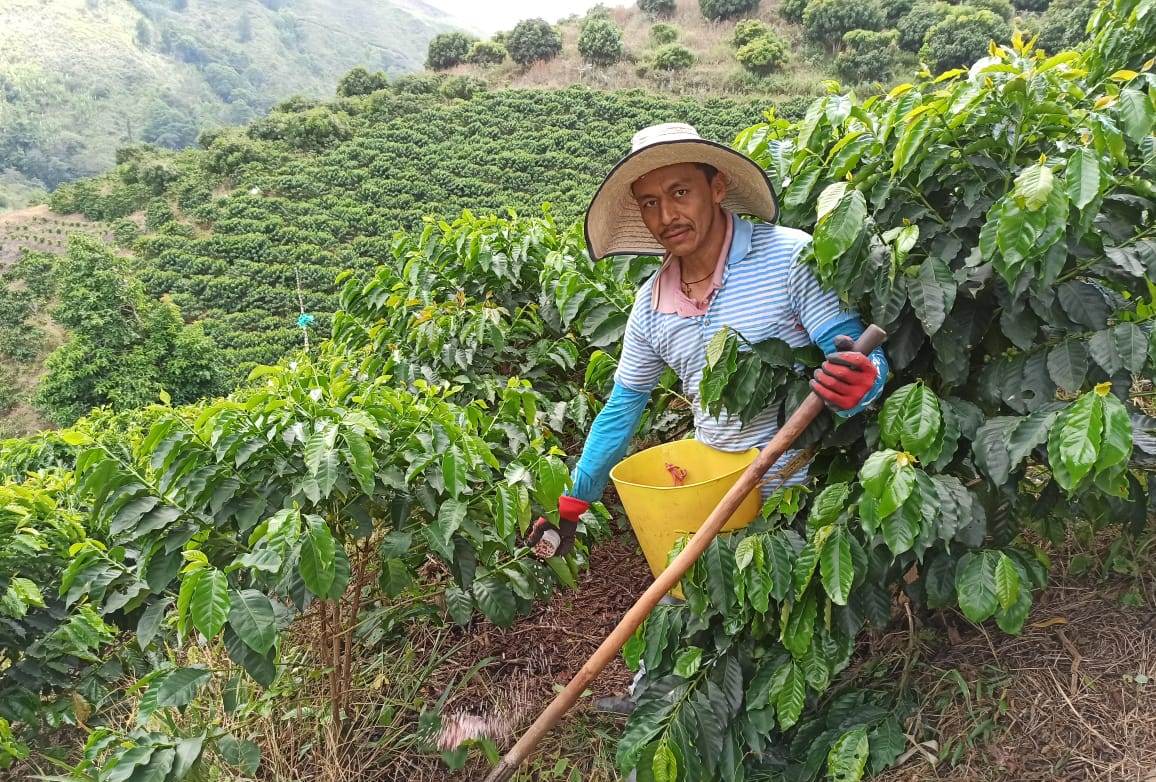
<point x="1073" y="698"/>
<point x="39" y="228"/>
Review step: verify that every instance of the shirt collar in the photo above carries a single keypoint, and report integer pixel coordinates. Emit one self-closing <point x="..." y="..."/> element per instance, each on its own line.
<point x="741" y="232"/>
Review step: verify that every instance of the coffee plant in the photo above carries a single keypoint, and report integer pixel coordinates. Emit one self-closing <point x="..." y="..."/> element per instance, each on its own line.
<point x="297" y="208"/>
<point x="997" y="222"/>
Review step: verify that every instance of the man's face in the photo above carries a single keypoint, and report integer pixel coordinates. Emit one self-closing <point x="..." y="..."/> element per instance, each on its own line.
<point x="679" y="205"/>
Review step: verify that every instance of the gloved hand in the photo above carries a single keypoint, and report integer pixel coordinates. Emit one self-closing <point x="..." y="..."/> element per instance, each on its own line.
<point x="845" y="377"/>
<point x="570" y="509"/>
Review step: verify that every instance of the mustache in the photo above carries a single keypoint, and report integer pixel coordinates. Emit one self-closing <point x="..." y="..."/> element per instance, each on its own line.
<point x="675" y="229"/>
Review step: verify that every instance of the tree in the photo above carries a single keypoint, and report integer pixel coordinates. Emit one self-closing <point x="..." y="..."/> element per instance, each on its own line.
<point x="913" y="27"/>
<point x="1001" y="8"/>
<point x="792" y="10"/>
<point x="487" y="53"/>
<point x="657" y="9"/>
<point x="962" y="38"/>
<point x="1062" y="25"/>
<point x="673" y="57"/>
<point x="447" y="50"/>
<point x="600" y="42"/>
<point x="1038" y="5"/>
<point x="748" y="30"/>
<point x="894" y="10"/>
<point x="532" y="40"/>
<point x="867" y="55"/>
<point x="826" y="21"/>
<point x="662" y="33"/>
<point x="360" y="81"/>
<point x="717" y="10"/>
<point x="763" y="54"/>
<point x="124" y="348"/>
<point x="144" y="34"/>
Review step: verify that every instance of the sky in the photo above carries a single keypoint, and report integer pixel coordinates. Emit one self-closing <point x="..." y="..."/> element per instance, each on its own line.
<point x="488" y="17"/>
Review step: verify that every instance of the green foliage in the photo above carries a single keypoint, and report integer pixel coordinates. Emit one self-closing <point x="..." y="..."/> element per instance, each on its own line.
<point x="962" y="38"/>
<point x="532" y="40"/>
<point x="1034" y="5"/>
<point x="124" y="349"/>
<point x="718" y="10"/>
<point x="672" y="57"/>
<point x="1001" y="8"/>
<point x="462" y="87"/>
<point x="867" y="55"/>
<point x="764" y="54"/>
<point x="306" y="195"/>
<point x="360" y="81"/>
<point x="827" y="21"/>
<point x="600" y="42"/>
<point x="447" y="50"/>
<point x="487" y="53"/>
<point x="657" y="9"/>
<point x="663" y="33"/>
<point x="793" y="10"/>
<point x="748" y="30"/>
<point x="894" y="10"/>
<point x="914" y="26"/>
<point x="1016" y="328"/>
<point x="1062" y="26"/>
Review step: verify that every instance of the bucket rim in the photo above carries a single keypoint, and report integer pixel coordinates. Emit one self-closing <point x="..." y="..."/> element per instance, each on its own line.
<point x="752" y="452"/>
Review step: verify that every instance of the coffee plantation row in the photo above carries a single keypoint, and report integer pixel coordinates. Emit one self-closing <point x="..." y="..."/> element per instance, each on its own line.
<point x="315" y="189"/>
<point x="996" y="221"/>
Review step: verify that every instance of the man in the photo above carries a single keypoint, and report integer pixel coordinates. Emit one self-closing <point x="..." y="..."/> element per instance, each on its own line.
<point x="679" y="196"/>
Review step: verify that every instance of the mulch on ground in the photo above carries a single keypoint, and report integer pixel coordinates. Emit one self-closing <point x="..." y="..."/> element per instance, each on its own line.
<point x="1073" y="698"/>
<point x="530" y="661"/>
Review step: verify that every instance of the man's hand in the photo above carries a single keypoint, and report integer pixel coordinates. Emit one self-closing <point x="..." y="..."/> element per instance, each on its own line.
<point x="570" y="510"/>
<point x="845" y="377"/>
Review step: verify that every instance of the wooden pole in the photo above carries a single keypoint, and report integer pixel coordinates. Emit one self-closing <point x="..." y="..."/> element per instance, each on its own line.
<point x="872" y="338"/>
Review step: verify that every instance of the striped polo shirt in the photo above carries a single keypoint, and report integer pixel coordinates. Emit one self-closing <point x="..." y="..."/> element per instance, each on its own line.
<point x="766" y="292"/>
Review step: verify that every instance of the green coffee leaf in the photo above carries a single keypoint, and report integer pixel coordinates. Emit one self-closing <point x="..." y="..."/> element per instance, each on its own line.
<point x="1033" y="186"/>
<point x="252" y="619"/>
<point x="1007" y="582"/>
<point x="688" y="661"/>
<point x="317" y="556"/>
<point x="495" y="600"/>
<point x="1082" y="177"/>
<point x="1073" y="444"/>
<point x="791" y="697"/>
<point x="829" y="505"/>
<point x="888" y="477"/>
<point x="664" y="764"/>
<point x="360" y="458"/>
<point x="178" y="688"/>
<point x="839" y="229"/>
<point x="836" y="567"/>
<point x="209" y="602"/>
<point x="932" y="294"/>
<point x="848" y="757"/>
<point x="975" y="584"/>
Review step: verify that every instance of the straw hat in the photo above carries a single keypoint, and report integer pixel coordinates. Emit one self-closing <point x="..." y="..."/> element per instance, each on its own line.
<point x="613" y="222"/>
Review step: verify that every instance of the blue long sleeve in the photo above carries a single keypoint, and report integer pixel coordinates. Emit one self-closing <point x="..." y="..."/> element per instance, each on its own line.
<point x="851" y="326"/>
<point x="607" y="442"/>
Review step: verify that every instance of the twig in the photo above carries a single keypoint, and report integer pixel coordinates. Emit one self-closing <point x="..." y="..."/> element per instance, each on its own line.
<point x="1080" y="717"/>
<point x="1075" y="655"/>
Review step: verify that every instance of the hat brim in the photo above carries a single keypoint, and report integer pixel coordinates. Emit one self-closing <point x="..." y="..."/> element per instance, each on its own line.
<point x="614" y="223"/>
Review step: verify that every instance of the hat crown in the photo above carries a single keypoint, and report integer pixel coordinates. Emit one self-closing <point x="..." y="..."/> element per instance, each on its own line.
<point x="667" y="131"/>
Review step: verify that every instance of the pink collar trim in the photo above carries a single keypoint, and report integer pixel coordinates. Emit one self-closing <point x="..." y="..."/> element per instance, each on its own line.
<point x="666" y="294"/>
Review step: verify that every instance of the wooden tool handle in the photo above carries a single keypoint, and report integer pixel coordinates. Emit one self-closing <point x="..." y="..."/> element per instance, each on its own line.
<point x="872" y="338"/>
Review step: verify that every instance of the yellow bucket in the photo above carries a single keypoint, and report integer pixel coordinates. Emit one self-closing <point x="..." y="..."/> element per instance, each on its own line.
<point x="660" y="511"/>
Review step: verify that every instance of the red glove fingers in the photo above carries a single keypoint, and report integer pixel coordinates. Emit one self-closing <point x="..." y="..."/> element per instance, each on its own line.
<point x="844" y="378"/>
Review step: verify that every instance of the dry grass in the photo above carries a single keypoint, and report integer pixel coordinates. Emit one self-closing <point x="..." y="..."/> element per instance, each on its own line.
<point x="1072" y="698"/>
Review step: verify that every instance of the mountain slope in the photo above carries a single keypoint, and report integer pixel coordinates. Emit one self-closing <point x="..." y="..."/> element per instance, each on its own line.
<point x="79" y="78"/>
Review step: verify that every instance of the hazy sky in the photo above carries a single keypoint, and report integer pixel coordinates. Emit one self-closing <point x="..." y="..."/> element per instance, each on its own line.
<point x="489" y="17"/>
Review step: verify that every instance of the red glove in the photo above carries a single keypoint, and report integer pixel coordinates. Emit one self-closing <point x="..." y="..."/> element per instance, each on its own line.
<point x="570" y="509"/>
<point x="845" y="377"/>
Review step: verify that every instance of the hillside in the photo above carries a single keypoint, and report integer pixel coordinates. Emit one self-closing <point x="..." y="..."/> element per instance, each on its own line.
<point x="684" y="53"/>
<point x="80" y="78"/>
<point x="254" y="227"/>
